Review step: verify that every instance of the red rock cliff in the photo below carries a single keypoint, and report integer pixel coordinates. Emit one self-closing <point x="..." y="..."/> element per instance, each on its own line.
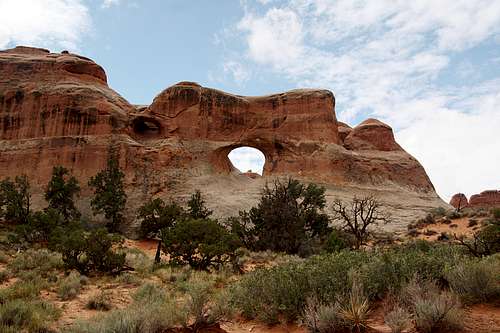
<point x="58" y="109"/>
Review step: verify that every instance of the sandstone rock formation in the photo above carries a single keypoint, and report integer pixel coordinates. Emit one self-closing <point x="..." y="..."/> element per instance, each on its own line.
<point x="58" y="109"/>
<point x="485" y="199"/>
<point x="459" y="201"/>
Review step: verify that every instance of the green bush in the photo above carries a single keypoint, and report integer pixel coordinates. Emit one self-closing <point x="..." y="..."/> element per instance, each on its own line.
<point x="199" y="243"/>
<point x="145" y="315"/>
<point x="30" y="316"/>
<point x="40" y="260"/>
<point x="71" y="286"/>
<point x="495" y="212"/>
<point x="150" y="292"/>
<point x="475" y="282"/>
<point x="100" y="302"/>
<point x="24" y="290"/>
<point x="88" y="251"/>
<point x="143" y="318"/>
<point x="4" y="275"/>
<point x="398" y="319"/>
<point x="433" y="310"/>
<point x="321" y="318"/>
<point x="337" y="240"/>
<point x="271" y="293"/>
<point x="439" y="212"/>
<point x="204" y="305"/>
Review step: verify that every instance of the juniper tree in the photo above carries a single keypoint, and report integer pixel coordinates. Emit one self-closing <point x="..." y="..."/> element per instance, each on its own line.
<point x="156" y="215"/>
<point x="109" y="194"/>
<point x="15" y="200"/>
<point x="60" y="193"/>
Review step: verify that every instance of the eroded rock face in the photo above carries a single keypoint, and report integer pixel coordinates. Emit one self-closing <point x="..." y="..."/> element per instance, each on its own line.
<point x="485" y="199"/>
<point x="58" y="109"/>
<point x="371" y="134"/>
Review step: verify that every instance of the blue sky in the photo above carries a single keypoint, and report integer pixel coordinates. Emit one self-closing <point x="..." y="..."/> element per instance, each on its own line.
<point x="430" y="69"/>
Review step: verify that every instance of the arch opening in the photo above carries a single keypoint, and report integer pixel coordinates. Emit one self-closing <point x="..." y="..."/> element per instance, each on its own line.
<point x="248" y="160"/>
<point x="146" y="127"/>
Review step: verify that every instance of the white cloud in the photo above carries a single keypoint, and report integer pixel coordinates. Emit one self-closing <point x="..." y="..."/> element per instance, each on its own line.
<point x="238" y="72"/>
<point x="109" y="3"/>
<point x="384" y="59"/>
<point x="247" y="158"/>
<point x="44" y="23"/>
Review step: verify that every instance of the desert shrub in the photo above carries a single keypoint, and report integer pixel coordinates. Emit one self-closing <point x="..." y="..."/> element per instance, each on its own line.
<point x="413" y="232"/>
<point x="475" y="282"/>
<point x="472" y="222"/>
<point x="4" y="258"/>
<point x="38" y="260"/>
<point x="151" y="312"/>
<point x="205" y="306"/>
<point x="199" y="243"/>
<point x="495" y="212"/>
<point x="288" y="216"/>
<point x="398" y="319"/>
<point x="438" y="212"/>
<point x="336" y="241"/>
<point x="391" y="270"/>
<point x="268" y="293"/>
<point x="433" y="310"/>
<point x="143" y="318"/>
<point x="321" y="318"/>
<point x="137" y="260"/>
<point x="100" y="302"/>
<point x="4" y="275"/>
<point x="281" y="291"/>
<point x="484" y="242"/>
<point x="71" y="286"/>
<point x="27" y="316"/>
<point x="150" y="292"/>
<point x="173" y="274"/>
<point x="25" y="290"/>
<point x="128" y="278"/>
<point x="88" y="251"/>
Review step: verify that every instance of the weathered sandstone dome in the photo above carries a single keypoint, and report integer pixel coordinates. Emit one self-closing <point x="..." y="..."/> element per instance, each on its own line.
<point x="58" y="109"/>
<point x="485" y="199"/>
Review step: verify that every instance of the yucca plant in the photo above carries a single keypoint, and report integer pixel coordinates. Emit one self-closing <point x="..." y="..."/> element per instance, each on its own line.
<point x="354" y="310"/>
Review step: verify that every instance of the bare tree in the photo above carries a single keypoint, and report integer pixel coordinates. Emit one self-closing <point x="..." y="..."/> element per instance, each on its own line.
<point x="357" y="216"/>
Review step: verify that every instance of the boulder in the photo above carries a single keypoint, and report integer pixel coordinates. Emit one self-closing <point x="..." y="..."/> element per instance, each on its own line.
<point x="459" y="201"/>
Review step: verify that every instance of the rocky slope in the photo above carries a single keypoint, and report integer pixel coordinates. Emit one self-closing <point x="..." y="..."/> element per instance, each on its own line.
<point x="58" y="109"/>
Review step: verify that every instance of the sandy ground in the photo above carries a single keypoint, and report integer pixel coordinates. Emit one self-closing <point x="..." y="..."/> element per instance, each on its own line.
<point x="459" y="227"/>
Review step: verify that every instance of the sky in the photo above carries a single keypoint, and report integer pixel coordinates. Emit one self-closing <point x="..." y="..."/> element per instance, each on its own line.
<point x="430" y="69"/>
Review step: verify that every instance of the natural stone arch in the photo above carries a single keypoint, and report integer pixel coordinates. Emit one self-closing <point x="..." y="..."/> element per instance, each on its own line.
<point x="271" y="150"/>
<point x="248" y="160"/>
